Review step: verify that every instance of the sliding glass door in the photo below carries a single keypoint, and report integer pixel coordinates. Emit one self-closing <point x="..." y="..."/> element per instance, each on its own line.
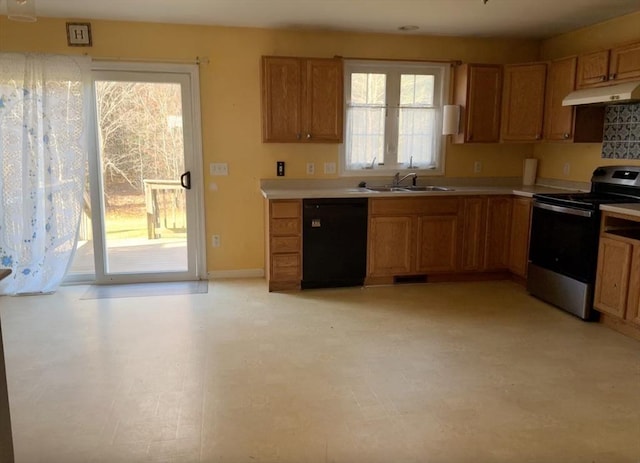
<point x="143" y="213"/>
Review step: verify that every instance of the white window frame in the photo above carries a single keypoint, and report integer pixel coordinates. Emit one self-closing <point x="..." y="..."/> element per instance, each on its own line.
<point x="393" y="70"/>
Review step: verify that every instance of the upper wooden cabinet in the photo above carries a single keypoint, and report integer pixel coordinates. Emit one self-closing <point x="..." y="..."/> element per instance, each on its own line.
<point x="607" y="67"/>
<point x="624" y="63"/>
<point x="593" y="68"/>
<point x="478" y="90"/>
<point x="302" y="100"/>
<point x="561" y="80"/>
<point x="523" y="101"/>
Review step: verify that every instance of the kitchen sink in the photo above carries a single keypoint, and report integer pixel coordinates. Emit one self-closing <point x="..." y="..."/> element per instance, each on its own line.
<point x="387" y="188"/>
<point x="428" y="188"/>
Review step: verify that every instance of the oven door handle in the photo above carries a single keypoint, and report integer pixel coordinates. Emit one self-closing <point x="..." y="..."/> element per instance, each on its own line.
<point x="563" y="210"/>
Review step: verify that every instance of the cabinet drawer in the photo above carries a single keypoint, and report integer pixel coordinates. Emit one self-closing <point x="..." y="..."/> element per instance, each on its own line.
<point x="421" y="206"/>
<point x="285" y="244"/>
<point x="286" y="209"/>
<point x="285" y="226"/>
<point x="286" y="266"/>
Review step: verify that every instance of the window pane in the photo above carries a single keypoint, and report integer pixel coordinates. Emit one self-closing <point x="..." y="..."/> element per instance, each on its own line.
<point x="368" y="89"/>
<point x="416" y="90"/>
<point x="365" y="136"/>
<point x="416" y="136"/>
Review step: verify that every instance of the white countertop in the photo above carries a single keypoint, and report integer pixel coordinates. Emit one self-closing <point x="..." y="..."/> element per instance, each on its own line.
<point x="341" y="192"/>
<point x="632" y="209"/>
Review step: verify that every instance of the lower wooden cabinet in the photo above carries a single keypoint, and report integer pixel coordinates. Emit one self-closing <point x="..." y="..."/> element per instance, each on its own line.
<point x="520" y="235"/>
<point x="486" y="230"/>
<point x="617" y="292"/>
<point x="412" y="236"/>
<point x="415" y="236"/>
<point x="437" y="245"/>
<point x="283" y="244"/>
<point x="390" y="245"/>
<point x="474" y="218"/>
<point x="498" y="233"/>
<point x="614" y="266"/>
<point x="633" y="301"/>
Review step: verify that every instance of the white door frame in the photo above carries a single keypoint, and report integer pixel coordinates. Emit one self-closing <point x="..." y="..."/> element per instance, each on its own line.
<point x="185" y="74"/>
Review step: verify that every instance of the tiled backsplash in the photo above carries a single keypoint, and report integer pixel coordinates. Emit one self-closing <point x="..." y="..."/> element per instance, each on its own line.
<point x="621" y="138"/>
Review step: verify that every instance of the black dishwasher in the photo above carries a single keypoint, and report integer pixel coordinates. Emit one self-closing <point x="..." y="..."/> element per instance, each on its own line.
<point x="334" y="237"/>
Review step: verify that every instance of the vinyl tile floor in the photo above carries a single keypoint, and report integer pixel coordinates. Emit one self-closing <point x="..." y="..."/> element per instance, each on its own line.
<point x="442" y="373"/>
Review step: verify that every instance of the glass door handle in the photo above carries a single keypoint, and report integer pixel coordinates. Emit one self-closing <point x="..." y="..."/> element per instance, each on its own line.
<point x="185" y="180"/>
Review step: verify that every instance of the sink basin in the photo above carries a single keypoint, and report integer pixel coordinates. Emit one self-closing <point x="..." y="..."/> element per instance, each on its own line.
<point x="386" y="188"/>
<point x="428" y="188"/>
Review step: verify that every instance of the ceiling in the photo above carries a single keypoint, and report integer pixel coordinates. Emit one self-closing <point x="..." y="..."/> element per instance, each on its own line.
<point x="496" y="18"/>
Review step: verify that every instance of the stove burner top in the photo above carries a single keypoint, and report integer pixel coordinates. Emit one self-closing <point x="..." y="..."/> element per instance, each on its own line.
<point x="583" y="200"/>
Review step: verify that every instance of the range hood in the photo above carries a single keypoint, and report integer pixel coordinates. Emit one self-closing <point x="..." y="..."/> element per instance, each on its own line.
<point x="620" y="93"/>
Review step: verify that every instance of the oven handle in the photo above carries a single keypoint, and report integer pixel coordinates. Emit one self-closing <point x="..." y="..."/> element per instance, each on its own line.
<point x="562" y="210"/>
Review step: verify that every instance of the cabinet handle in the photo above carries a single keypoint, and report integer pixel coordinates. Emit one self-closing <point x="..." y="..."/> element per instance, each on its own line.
<point x="603" y="78"/>
<point x="298" y="136"/>
<point x="612" y="76"/>
<point x="308" y="136"/>
<point x="566" y="136"/>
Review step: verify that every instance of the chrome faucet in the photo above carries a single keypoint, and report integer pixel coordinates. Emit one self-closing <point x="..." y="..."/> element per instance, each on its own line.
<point x="397" y="180"/>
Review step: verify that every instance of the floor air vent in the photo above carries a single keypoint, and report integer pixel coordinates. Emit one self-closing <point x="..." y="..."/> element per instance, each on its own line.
<point x="410" y="279"/>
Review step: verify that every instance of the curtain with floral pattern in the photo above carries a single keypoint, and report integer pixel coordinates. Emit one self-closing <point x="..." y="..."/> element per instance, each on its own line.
<point x="43" y="151"/>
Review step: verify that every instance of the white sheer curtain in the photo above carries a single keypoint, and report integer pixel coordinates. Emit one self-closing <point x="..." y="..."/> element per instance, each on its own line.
<point x="43" y="139"/>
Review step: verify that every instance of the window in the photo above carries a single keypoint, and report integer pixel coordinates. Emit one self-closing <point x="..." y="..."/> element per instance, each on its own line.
<point x="393" y="116"/>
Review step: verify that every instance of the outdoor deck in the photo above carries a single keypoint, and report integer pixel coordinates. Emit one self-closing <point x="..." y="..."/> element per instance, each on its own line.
<point x="137" y="255"/>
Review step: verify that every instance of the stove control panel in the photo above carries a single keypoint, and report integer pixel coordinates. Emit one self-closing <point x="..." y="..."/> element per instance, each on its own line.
<point x="617" y="175"/>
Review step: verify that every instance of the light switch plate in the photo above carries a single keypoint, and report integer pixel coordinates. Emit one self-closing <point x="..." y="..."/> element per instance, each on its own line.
<point x="329" y="167"/>
<point x="311" y="168"/>
<point x="219" y="168"/>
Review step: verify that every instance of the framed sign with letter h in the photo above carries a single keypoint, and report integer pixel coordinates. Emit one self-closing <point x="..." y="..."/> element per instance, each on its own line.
<point x="79" y="34"/>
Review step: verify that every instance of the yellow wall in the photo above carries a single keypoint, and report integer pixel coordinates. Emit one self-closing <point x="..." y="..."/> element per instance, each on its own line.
<point x="230" y="101"/>
<point x="583" y="158"/>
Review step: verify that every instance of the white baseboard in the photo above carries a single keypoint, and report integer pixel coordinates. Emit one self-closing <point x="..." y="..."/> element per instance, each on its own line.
<point x="247" y="273"/>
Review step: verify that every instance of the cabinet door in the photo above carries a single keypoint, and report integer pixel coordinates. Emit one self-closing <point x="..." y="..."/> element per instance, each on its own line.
<point x="323" y="100"/>
<point x="625" y="63"/>
<point x="498" y="234"/>
<point x="437" y="242"/>
<point x="593" y="69"/>
<point x="473" y="229"/>
<point x="281" y="99"/>
<point x="558" y="121"/>
<point x="390" y="244"/>
<point x="479" y="91"/>
<point x="523" y="102"/>
<point x="633" y="302"/>
<point x="520" y="231"/>
<point x="612" y="280"/>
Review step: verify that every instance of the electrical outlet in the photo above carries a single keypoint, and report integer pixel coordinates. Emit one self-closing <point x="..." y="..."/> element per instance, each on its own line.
<point x="215" y="241"/>
<point x="280" y="168"/>
<point x="329" y="167"/>
<point x="566" y="169"/>
<point x="219" y="168"/>
<point x="311" y="168"/>
<point x="477" y="167"/>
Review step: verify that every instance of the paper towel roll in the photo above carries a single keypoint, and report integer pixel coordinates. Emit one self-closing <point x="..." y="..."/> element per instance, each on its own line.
<point x="529" y="173"/>
<point x="450" y="119"/>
